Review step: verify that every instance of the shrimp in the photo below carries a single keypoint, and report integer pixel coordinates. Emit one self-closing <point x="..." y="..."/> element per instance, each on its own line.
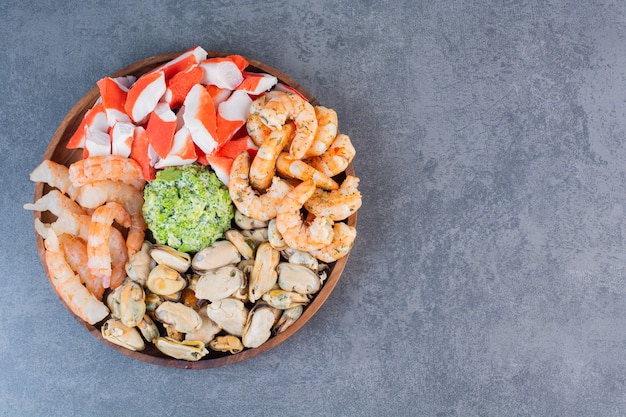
<point x="327" y="126"/>
<point x="95" y="194"/>
<point x="257" y="131"/>
<point x="280" y="108"/>
<point x="68" y="286"/>
<point x="56" y="203"/>
<point x="343" y="240"/>
<point x="295" y="232"/>
<point x="55" y="175"/>
<point x="288" y="166"/>
<point x="337" y="158"/>
<point x="259" y="207"/>
<point x="75" y="252"/>
<point x="339" y="204"/>
<point x="98" y="248"/>
<point x="119" y="257"/>
<point x="106" y="167"/>
<point x="73" y="224"/>
<point x="263" y="165"/>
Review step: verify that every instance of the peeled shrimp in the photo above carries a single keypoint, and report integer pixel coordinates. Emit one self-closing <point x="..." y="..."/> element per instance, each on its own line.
<point x="56" y="203"/>
<point x="327" y="125"/>
<point x="295" y="232"/>
<point x="343" y="240"/>
<point x="257" y="130"/>
<point x="337" y="158"/>
<point x="283" y="106"/>
<point x="67" y="284"/>
<point x="288" y="166"/>
<point x="119" y="257"/>
<point x="259" y="207"/>
<point x="73" y="224"/>
<point x="55" y="175"/>
<point x="75" y="253"/>
<point x="95" y="194"/>
<point x="339" y="204"/>
<point x="98" y="248"/>
<point x="263" y="165"/>
<point x="107" y="167"/>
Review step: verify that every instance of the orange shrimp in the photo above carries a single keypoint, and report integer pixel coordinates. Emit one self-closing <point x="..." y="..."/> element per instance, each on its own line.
<point x="259" y="207"/>
<point x="107" y="167"/>
<point x="95" y="194"/>
<point x="343" y="240"/>
<point x="339" y="204"/>
<point x="98" y="248"/>
<point x="55" y="175"/>
<point x="295" y="232"/>
<point x="263" y="165"/>
<point x="75" y="252"/>
<point x="67" y="284"/>
<point x="337" y="158"/>
<point x="327" y="125"/>
<point x="56" y="203"/>
<point x="288" y="166"/>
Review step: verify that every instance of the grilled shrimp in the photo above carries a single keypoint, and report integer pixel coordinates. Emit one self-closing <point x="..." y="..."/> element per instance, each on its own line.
<point x="263" y="165"/>
<point x="280" y="107"/>
<point x="259" y="207"/>
<point x="337" y="158"/>
<point x="106" y="167"/>
<point x="343" y="240"/>
<point x="98" y="248"/>
<point x="338" y="204"/>
<point x="295" y="232"/>
<point x="288" y="166"/>
<point x="327" y="126"/>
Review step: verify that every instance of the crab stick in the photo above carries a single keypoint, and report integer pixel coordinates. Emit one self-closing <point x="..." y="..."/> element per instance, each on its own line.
<point x="241" y="62"/>
<point x="122" y="135"/>
<point x="144" y="95"/>
<point x="221" y="72"/>
<point x="161" y="128"/>
<point x="201" y="119"/>
<point x="256" y="83"/>
<point x="218" y="95"/>
<point x="234" y="147"/>
<point x="140" y="153"/>
<point x="94" y="119"/>
<point x="221" y="166"/>
<point x="187" y="59"/>
<point x="113" y="93"/>
<point x="232" y="115"/>
<point x="97" y="143"/>
<point x="179" y="85"/>
<point x="183" y="151"/>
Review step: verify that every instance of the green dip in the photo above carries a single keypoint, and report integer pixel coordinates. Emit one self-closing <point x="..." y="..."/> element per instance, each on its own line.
<point x="187" y="208"/>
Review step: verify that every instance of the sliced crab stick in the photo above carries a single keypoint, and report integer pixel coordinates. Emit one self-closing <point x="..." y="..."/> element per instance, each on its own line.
<point x="179" y="85"/>
<point x="97" y="143"/>
<point x="221" y="166"/>
<point x="201" y="119"/>
<point x="161" y="128"/>
<point x="187" y="59"/>
<point x="232" y="115"/>
<point x="95" y="119"/>
<point x="183" y="151"/>
<point x="218" y="95"/>
<point x="113" y="93"/>
<point x="144" y="95"/>
<point x="234" y="147"/>
<point x="140" y="153"/>
<point x="221" y="72"/>
<point x="256" y="83"/>
<point x="122" y="135"/>
<point x="241" y="62"/>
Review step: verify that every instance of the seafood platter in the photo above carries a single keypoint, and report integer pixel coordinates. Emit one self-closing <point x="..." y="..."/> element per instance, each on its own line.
<point x="196" y="208"/>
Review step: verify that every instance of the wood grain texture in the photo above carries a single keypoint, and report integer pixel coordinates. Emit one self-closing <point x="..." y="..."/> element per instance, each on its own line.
<point x="58" y="152"/>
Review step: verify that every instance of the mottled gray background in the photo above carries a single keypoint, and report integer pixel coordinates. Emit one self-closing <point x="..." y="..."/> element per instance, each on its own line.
<point x="488" y="277"/>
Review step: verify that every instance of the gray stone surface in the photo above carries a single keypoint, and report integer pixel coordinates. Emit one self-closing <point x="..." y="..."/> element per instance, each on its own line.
<point x="488" y="277"/>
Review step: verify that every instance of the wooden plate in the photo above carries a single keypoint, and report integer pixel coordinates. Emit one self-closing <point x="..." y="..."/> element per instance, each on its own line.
<point x="58" y="152"/>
